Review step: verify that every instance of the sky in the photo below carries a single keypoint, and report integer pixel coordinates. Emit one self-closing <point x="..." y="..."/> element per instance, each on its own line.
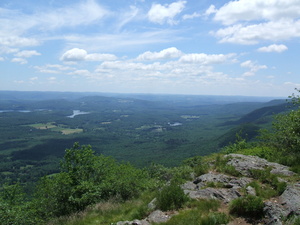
<point x="199" y="47"/>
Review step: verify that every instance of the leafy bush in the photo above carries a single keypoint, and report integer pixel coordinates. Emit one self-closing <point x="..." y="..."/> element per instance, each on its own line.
<point x="260" y="151"/>
<point x="197" y="164"/>
<point x="160" y="172"/>
<point x="248" y="206"/>
<point x="263" y="191"/>
<point x="265" y="176"/>
<point x="214" y="218"/>
<point x="19" y="214"/>
<point x="171" y="197"/>
<point x="193" y="161"/>
<point x="296" y="221"/>
<point x="179" y="174"/>
<point x="240" y="144"/>
<point x="86" y="179"/>
<point x="14" y="208"/>
<point x="221" y="166"/>
<point x="201" y="212"/>
<point x="285" y="133"/>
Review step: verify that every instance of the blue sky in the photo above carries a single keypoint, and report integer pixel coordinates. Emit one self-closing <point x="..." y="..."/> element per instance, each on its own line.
<point x="212" y="47"/>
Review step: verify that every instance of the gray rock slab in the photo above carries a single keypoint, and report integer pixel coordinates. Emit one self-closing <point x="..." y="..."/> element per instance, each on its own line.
<point x="290" y="199"/>
<point x="158" y="217"/>
<point x="223" y="194"/>
<point x="288" y="205"/>
<point x="244" y="163"/>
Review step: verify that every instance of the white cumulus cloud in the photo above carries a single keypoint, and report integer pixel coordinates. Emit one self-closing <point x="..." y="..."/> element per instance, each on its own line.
<point x="248" y="10"/>
<point x="19" y="60"/>
<point x="100" y="57"/>
<point x="211" y="10"/>
<point x="164" y="54"/>
<point x="253" y="68"/>
<point x="27" y="54"/>
<point x="77" y="54"/>
<point x="203" y="58"/>
<point x="9" y="41"/>
<point x="191" y="16"/>
<point x="253" y="34"/>
<point x="252" y="21"/>
<point x="165" y="13"/>
<point x="74" y="54"/>
<point x="273" y="48"/>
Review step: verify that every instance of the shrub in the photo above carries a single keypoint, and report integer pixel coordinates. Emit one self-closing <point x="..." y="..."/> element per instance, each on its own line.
<point x="297" y="221"/>
<point x="194" y="161"/>
<point x="248" y="206"/>
<point x="171" y="197"/>
<point x="263" y="191"/>
<point x="214" y="218"/>
<point x="197" y="164"/>
<point x="239" y="145"/>
<point x="221" y="166"/>
<point x="201" y="169"/>
<point x="265" y="176"/>
<point x="86" y="179"/>
<point x="15" y="208"/>
<point x="202" y="212"/>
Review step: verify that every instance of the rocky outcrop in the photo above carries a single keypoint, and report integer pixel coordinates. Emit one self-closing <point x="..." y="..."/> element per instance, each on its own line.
<point x="225" y="180"/>
<point x="286" y="206"/>
<point x="158" y="217"/>
<point x="225" y="195"/>
<point x="245" y="163"/>
<point x="225" y="188"/>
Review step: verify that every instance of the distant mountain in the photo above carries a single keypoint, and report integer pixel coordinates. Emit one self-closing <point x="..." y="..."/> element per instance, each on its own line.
<point x="248" y="126"/>
<point x="260" y="115"/>
<point x="184" y="100"/>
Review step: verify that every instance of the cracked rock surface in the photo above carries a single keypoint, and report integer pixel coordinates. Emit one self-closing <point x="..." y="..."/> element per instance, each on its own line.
<point x="225" y="188"/>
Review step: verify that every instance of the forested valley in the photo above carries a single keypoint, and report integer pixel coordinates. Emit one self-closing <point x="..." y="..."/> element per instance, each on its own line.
<point x="63" y="152"/>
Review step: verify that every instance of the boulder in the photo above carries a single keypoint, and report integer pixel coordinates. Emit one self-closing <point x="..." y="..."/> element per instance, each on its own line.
<point x="158" y="217"/>
<point x="245" y="163"/>
<point x="189" y="186"/>
<point x="250" y="191"/>
<point x="273" y="213"/>
<point x="227" y="181"/>
<point x="223" y="194"/>
<point x="288" y="204"/>
<point x="290" y="199"/>
<point x="152" y="204"/>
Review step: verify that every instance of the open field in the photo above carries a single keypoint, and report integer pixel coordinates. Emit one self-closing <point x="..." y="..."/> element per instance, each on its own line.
<point x="57" y="128"/>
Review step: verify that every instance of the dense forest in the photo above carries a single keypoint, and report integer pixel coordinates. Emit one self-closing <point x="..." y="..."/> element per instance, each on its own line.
<point x="37" y="127"/>
<point x="60" y="156"/>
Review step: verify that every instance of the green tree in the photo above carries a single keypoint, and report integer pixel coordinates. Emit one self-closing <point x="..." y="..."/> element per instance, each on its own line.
<point x="15" y="209"/>
<point x="79" y="162"/>
<point x="171" y="197"/>
<point x="284" y="137"/>
<point x="285" y="133"/>
<point x="86" y="179"/>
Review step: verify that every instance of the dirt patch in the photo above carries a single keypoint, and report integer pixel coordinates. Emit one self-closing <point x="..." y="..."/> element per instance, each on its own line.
<point x="239" y="221"/>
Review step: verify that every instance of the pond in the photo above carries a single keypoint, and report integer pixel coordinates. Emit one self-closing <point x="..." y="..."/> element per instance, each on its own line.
<point x="76" y="113"/>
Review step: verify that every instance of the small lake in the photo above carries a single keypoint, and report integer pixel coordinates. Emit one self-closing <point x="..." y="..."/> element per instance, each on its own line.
<point x="22" y="111"/>
<point x="175" y="124"/>
<point x="76" y="113"/>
